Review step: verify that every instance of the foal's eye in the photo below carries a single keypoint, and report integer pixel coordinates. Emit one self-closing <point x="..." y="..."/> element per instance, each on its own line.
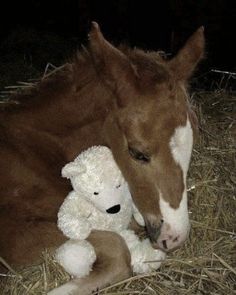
<point x="96" y="193"/>
<point x="118" y="186"/>
<point x="137" y="155"/>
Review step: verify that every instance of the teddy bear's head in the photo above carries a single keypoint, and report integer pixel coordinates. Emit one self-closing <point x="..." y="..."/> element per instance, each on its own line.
<point x="95" y="174"/>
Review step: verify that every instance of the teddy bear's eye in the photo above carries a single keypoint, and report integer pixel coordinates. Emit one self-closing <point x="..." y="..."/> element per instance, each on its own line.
<point x="118" y="186"/>
<point x="96" y="193"/>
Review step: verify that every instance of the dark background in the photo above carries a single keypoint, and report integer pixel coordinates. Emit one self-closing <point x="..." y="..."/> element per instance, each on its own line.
<point x="38" y="32"/>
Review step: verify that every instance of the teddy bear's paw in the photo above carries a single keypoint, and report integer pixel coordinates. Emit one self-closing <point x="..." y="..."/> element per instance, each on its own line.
<point x="131" y="239"/>
<point x="76" y="257"/>
<point x="145" y="258"/>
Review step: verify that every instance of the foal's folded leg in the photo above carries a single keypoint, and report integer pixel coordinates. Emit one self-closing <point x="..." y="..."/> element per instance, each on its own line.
<point x="112" y="265"/>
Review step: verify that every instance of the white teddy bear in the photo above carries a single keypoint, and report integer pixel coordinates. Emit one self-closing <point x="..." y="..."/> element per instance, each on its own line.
<point x="100" y="200"/>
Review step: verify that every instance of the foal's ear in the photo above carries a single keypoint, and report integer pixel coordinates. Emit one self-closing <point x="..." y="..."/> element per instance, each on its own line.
<point x="184" y="63"/>
<point x="112" y="65"/>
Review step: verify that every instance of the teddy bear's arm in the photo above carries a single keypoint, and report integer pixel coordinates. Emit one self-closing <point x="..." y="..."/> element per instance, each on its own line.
<point x="72" y="218"/>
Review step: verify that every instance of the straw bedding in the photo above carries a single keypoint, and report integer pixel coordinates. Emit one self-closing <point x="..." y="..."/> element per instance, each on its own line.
<point x="206" y="264"/>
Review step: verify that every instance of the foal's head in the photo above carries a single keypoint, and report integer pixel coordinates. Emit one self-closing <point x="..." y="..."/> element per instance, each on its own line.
<point x="150" y="129"/>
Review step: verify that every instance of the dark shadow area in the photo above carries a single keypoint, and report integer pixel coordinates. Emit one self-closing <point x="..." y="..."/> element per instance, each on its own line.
<point x="41" y="32"/>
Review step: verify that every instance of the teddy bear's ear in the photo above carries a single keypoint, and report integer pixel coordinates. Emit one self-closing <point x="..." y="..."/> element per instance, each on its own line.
<point x="73" y="169"/>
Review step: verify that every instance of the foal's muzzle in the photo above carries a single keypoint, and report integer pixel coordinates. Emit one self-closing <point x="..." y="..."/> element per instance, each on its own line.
<point x="165" y="237"/>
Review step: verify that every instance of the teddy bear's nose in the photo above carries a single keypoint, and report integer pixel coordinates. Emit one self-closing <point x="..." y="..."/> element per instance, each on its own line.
<point x="113" y="209"/>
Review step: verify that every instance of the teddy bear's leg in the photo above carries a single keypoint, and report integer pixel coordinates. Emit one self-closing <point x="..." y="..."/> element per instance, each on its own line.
<point x="76" y="257"/>
<point x="112" y="265"/>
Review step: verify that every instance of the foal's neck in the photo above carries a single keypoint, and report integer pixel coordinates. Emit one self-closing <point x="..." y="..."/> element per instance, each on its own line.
<point x="88" y="115"/>
<point x="72" y="115"/>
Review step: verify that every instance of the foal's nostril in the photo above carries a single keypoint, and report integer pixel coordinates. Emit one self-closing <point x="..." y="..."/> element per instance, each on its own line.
<point x="114" y="209"/>
<point x="164" y="244"/>
<point x="176" y="239"/>
<point x="154" y="230"/>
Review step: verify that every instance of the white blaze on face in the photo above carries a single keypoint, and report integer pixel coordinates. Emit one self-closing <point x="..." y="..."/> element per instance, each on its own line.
<point x="176" y="221"/>
<point x="181" y="144"/>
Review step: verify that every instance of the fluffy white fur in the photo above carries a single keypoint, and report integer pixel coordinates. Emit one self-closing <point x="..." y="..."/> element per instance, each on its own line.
<point x="77" y="257"/>
<point x="95" y="171"/>
<point x="91" y="172"/>
<point x="144" y="258"/>
<point x="78" y="216"/>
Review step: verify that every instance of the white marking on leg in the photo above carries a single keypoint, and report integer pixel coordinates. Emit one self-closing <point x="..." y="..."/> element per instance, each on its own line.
<point x="66" y="289"/>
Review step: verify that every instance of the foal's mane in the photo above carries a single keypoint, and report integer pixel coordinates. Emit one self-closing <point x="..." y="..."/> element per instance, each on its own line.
<point x="75" y="73"/>
<point x="80" y="71"/>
